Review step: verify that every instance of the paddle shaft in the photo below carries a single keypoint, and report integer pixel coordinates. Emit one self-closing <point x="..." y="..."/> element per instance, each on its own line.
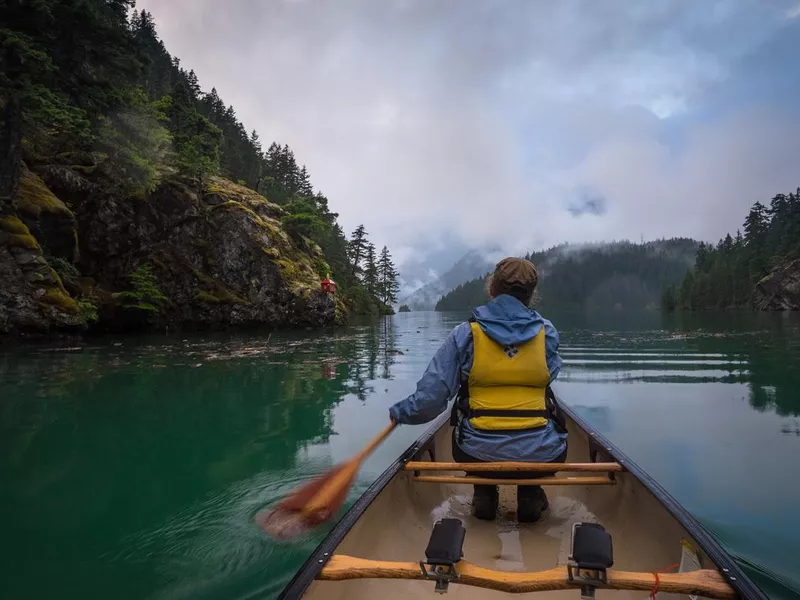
<point x="375" y="442"/>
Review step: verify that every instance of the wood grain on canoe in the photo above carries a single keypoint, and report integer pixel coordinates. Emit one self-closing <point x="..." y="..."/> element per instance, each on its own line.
<point x="514" y="466"/>
<point x="537" y="481"/>
<point x="707" y="583"/>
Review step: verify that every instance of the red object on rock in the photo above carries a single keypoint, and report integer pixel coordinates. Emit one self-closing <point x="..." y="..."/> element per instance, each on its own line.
<point x="328" y="285"/>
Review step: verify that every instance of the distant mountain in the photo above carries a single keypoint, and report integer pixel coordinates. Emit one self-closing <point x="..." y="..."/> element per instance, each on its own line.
<point x="617" y="275"/>
<point x="431" y="258"/>
<point x="473" y="264"/>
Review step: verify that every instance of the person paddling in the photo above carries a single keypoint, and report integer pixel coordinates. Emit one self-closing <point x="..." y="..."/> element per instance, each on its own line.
<point x="501" y="363"/>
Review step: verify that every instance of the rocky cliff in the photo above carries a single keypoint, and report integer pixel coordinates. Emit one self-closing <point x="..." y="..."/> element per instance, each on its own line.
<point x="73" y="255"/>
<point x="780" y="290"/>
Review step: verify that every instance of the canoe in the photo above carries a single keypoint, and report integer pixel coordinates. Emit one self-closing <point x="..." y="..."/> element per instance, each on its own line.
<point x="385" y="546"/>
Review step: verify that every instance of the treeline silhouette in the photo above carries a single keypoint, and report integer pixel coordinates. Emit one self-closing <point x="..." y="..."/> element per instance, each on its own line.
<point x="619" y="275"/>
<point x="725" y="275"/>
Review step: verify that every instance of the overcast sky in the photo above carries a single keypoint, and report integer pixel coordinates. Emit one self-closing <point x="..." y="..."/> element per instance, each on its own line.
<point x="444" y="124"/>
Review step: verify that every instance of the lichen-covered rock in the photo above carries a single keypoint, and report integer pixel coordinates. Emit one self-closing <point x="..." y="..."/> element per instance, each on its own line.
<point x="32" y="297"/>
<point x="68" y="183"/>
<point x="220" y="191"/>
<point x="780" y="290"/>
<point x="48" y="218"/>
<point x="218" y="258"/>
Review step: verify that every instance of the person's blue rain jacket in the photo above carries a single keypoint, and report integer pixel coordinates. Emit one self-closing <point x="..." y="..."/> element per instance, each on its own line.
<point x="507" y="321"/>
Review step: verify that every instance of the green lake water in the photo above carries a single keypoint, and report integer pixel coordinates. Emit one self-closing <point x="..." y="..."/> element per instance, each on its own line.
<point x="131" y="468"/>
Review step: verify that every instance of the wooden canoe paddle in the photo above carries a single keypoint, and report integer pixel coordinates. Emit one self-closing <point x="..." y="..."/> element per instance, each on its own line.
<point x="320" y="499"/>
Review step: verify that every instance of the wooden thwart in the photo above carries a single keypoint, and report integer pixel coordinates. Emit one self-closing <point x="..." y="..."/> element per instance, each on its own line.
<point x="515" y="466"/>
<point x="492" y="481"/>
<point x="706" y="583"/>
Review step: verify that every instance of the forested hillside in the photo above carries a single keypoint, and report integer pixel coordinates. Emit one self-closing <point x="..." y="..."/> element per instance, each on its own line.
<point x="109" y="148"/>
<point x="618" y="275"/>
<point x="759" y="269"/>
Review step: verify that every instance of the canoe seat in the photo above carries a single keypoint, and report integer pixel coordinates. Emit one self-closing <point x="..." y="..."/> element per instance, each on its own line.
<point x="445" y="549"/>
<point x="517" y="467"/>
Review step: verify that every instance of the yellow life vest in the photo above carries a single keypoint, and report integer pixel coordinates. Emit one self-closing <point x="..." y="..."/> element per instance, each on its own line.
<point x="514" y="378"/>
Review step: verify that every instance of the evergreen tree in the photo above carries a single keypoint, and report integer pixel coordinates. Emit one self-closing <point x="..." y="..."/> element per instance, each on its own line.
<point x="137" y="144"/>
<point x="303" y="217"/>
<point x="304" y="187"/>
<point x="725" y="275"/>
<point x="756" y="225"/>
<point x="197" y="142"/>
<point x="371" y="270"/>
<point x="194" y="87"/>
<point x="356" y="250"/>
<point x="255" y="160"/>
<point x="669" y="299"/>
<point x="388" y="285"/>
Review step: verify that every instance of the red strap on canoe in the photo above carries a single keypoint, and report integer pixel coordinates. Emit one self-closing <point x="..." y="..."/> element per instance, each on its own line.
<point x="654" y="591"/>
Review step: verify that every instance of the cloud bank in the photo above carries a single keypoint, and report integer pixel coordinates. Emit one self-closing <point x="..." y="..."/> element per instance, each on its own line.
<point x="448" y="125"/>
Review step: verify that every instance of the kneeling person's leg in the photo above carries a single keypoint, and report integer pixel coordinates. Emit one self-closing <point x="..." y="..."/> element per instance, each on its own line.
<point x="484" y="502"/>
<point x="485" y="497"/>
<point x="531" y="499"/>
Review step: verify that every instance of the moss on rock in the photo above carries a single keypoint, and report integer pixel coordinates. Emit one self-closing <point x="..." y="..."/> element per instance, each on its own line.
<point x="207" y="298"/>
<point x="57" y="297"/>
<point x="35" y="197"/>
<point x="287" y="267"/>
<point x="85" y="170"/>
<point x="234" y="205"/>
<point x="11" y="224"/>
<point x="227" y="190"/>
<point x="20" y="240"/>
<point x="229" y="298"/>
<point x="15" y="234"/>
<point x="221" y="261"/>
<point x="220" y="295"/>
<point x="322" y="267"/>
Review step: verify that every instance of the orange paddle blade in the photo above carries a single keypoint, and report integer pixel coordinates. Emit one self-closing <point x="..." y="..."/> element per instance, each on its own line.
<point x="318" y="500"/>
<point x="311" y="505"/>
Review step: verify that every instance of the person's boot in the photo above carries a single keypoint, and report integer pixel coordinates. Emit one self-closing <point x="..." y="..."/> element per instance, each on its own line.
<point x="531" y="503"/>
<point x="484" y="502"/>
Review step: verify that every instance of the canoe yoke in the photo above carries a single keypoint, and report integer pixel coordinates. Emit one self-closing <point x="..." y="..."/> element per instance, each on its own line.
<point x="497" y="473"/>
<point x="588" y="569"/>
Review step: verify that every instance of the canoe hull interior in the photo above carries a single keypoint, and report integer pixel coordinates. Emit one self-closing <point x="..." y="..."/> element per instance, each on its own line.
<point x="398" y="523"/>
